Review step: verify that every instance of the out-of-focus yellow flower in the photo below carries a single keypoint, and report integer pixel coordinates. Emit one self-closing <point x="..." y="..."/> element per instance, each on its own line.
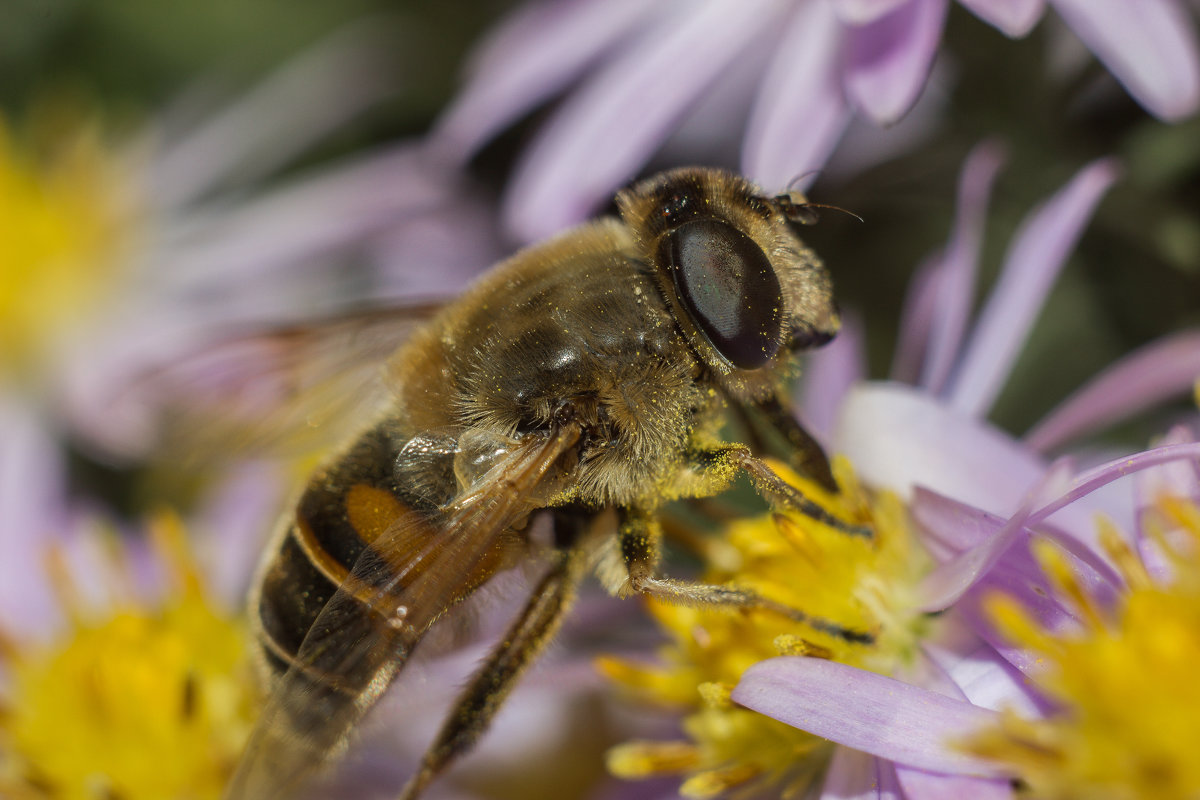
<point x="145" y="702"/>
<point x="63" y="221"/>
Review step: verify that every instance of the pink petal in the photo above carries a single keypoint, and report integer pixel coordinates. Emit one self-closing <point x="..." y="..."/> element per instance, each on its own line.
<point x="882" y="716"/>
<point x="959" y="265"/>
<point x="608" y="128"/>
<point x="860" y="12"/>
<point x="1034" y="259"/>
<point x="898" y="438"/>
<point x="1015" y="18"/>
<point x="889" y="59"/>
<point x="1150" y="47"/>
<point x="527" y="59"/>
<point x="800" y="111"/>
<point x="1159" y="371"/>
<point x="829" y="373"/>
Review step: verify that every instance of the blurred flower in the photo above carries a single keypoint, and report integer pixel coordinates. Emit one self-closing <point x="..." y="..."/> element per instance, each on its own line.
<point x="132" y="683"/>
<point x="121" y="256"/>
<point x="966" y="495"/>
<point x="808" y="65"/>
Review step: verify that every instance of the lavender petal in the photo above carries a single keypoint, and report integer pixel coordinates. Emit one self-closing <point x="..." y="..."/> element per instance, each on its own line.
<point x="899" y="438"/>
<point x="920" y="784"/>
<point x="916" y="320"/>
<point x="829" y="374"/>
<point x="861" y="12"/>
<point x="531" y="56"/>
<point x="619" y="113"/>
<point x="800" y="111"/>
<point x="851" y="776"/>
<point x="882" y="716"/>
<point x="959" y="265"/>
<point x="279" y="118"/>
<point x="889" y="58"/>
<point x="1160" y="370"/>
<point x="950" y="580"/>
<point x="1015" y="18"/>
<point x="1174" y="480"/>
<point x="1033" y="261"/>
<point x="1149" y="46"/>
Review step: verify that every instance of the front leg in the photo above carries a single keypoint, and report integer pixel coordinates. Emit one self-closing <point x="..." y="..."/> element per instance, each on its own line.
<point x="719" y="464"/>
<point x="640" y="539"/>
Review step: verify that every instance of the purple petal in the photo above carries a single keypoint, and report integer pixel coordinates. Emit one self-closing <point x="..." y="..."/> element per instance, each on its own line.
<point x="281" y="117"/>
<point x="1015" y="18"/>
<point x="1157" y="372"/>
<point x="1105" y="474"/>
<point x="898" y="438"/>
<point x="985" y="678"/>
<point x="33" y="501"/>
<point x="950" y="580"/>
<point x="1033" y="261"/>
<point x="623" y="115"/>
<point x="922" y="785"/>
<point x="828" y="375"/>
<point x="527" y="59"/>
<point x="1150" y="47"/>
<point x="1176" y="480"/>
<point x="916" y="320"/>
<point x="889" y="59"/>
<point x="882" y="716"/>
<point x="860" y="12"/>
<point x="851" y="776"/>
<point x="800" y="111"/>
<point x="959" y="265"/>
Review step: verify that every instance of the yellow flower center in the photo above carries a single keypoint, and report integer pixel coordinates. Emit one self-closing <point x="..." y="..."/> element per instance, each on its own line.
<point x="61" y="227"/>
<point x="147" y="704"/>
<point x="794" y="560"/>
<point x="1125" y="681"/>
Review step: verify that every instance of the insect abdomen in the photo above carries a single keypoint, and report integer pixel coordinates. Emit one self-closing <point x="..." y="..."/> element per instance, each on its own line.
<point x="344" y="507"/>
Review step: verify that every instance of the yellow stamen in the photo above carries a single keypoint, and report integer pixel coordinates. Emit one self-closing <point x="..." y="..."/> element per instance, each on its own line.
<point x="1124" y="681"/>
<point x="62" y="225"/>
<point x="799" y="563"/>
<point x="143" y="704"/>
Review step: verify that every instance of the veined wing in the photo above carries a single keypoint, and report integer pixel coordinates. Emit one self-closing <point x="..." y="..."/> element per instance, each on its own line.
<point x="288" y="388"/>
<point x="416" y="569"/>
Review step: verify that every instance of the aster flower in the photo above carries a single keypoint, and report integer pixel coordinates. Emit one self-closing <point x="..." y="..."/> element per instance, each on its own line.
<point x="1083" y="635"/>
<point x="960" y="496"/>
<point x="809" y="65"/>
<point x="122" y="254"/>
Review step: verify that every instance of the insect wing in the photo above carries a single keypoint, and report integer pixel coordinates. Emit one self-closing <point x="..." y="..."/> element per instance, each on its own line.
<point x="287" y="389"/>
<point x="417" y="568"/>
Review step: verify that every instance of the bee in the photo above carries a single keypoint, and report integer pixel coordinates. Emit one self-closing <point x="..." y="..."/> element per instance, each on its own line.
<point x="586" y="378"/>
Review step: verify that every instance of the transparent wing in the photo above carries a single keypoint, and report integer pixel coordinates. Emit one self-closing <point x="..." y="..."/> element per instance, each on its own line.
<point x="413" y="572"/>
<point x="286" y="389"/>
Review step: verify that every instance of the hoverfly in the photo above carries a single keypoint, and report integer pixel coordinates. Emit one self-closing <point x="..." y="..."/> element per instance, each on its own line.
<point x="586" y="377"/>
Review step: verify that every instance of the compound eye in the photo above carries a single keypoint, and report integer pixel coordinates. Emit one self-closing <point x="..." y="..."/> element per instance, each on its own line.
<point x="726" y="284"/>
